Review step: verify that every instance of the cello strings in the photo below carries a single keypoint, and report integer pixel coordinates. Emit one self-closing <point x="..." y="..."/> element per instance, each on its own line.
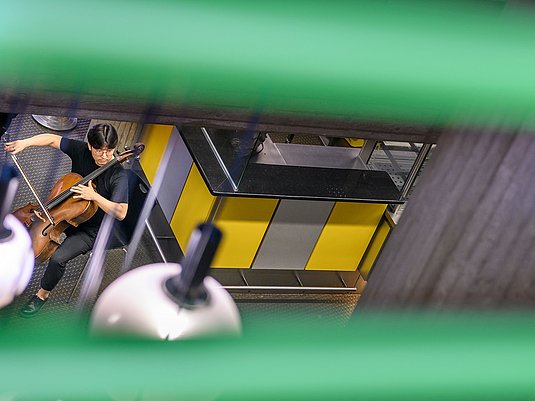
<point x="67" y="193"/>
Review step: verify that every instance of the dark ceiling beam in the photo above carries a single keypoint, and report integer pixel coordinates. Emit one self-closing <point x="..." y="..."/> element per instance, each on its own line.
<point x="118" y="109"/>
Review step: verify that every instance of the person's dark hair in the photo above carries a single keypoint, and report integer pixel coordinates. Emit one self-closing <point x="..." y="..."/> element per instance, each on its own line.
<point x="102" y="135"/>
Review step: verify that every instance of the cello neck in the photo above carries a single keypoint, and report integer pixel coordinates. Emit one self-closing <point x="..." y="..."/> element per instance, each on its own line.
<point x="127" y="154"/>
<point x="91" y="176"/>
<point x="97" y="172"/>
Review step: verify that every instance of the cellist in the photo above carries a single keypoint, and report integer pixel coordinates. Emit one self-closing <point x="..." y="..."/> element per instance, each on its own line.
<point x="111" y="197"/>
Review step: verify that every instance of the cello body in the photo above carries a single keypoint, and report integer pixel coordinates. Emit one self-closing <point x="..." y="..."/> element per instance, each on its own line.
<point x="71" y="212"/>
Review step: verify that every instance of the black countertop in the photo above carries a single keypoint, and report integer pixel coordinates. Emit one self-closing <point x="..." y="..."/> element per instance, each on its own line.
<point x="290" y="182"/>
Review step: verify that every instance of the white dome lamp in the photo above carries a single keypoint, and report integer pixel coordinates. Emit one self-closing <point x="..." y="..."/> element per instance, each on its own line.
<point x="167" y="301"/>
<point x="16" y="251"/>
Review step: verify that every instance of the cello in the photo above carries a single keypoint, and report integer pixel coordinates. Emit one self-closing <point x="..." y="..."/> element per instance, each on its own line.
<point x="47" y="221"/>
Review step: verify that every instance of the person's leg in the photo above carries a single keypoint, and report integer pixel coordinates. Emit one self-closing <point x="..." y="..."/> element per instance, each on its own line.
<point x="74" y="245"/>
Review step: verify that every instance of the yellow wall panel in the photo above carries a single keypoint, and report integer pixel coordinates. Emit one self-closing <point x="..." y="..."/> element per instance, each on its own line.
<point x="155" y="138"/>
<point x="193" y="207"/>
<point x="346" y="236"/>
<point x="355" y="143"/>
<point x="374" y="249"/>
<point x="244" y="222"/>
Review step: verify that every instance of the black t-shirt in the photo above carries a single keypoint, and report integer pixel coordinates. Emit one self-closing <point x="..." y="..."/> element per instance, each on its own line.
<point x="112" y="184"/>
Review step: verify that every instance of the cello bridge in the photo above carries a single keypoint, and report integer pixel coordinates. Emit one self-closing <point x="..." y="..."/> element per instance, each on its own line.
<point x="39" y="215"/>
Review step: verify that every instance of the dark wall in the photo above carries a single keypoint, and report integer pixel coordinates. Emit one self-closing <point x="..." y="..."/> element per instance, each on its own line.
<point x="467" y="236"/>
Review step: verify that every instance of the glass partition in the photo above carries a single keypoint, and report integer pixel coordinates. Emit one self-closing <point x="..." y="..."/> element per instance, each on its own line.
<point x="233" y="150"/>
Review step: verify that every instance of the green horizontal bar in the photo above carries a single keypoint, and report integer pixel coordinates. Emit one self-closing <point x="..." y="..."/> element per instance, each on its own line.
<point x="425" y="61"/>
<point x="376" y="357"/>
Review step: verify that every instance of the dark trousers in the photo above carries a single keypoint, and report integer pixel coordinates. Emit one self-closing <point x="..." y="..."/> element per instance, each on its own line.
<point x="77" y="243"/>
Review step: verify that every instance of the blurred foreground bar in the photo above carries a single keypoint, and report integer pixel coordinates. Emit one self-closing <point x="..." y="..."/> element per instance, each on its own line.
<point x="381" y="357"/>
<point x="373" y="66"/>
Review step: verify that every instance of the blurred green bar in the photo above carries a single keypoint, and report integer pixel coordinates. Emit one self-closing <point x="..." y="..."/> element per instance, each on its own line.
<point x="376" y="357"/>
<point x="428" y="61"/>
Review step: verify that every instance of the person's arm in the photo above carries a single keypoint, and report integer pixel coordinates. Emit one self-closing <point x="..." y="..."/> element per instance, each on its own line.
<point x="51" y="140"/>
<point x="117" y="210"/>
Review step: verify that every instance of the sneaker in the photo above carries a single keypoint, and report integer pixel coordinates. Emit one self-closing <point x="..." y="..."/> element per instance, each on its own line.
<point x="32" y="306"/>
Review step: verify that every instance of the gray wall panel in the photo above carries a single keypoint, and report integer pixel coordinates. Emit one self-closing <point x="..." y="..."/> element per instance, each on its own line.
<point x="175" y="175"/>
<point x="292" y="234"/>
